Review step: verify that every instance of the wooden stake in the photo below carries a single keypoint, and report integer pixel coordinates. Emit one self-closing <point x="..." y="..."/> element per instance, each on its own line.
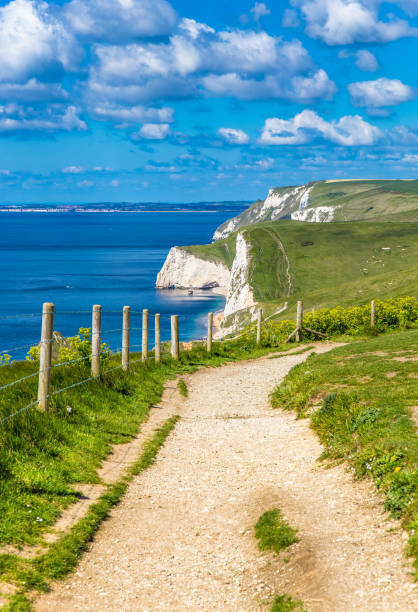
<point x="175" y="347"/>
<point x="210" y="332"/>
<point x="96" y="325"/>
<point x="299" y="321"/>
<point x="125" y="336"/>
<point x="145" y="318"/>
<point x="45" y="356"/>
<point x="372" y="314"/>
<point x="157" y="339"/>
<point x="259" y="320"/>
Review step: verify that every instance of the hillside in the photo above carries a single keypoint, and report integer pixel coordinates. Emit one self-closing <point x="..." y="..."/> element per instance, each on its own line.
<point x="327" y="264"/>
<point x="326" y="201"/>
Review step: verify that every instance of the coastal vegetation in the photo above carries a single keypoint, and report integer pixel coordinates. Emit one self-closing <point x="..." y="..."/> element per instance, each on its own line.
<point x="361" y="399"/>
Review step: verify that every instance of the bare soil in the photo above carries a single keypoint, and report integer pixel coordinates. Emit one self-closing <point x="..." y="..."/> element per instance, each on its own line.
<point x="183" y="536"/>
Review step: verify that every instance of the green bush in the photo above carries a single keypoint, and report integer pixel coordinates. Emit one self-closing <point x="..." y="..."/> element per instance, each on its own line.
<point x="394" y="313"/>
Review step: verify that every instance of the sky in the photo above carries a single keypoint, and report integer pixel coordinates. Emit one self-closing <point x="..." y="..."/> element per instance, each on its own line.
<point x="181" y="101"/>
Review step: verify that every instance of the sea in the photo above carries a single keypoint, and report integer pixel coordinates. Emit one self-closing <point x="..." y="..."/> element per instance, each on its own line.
<point x="76" y="259"/>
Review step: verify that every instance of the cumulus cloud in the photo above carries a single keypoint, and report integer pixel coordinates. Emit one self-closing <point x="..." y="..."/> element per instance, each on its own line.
<point x="366" y="61"/>
<point x="382" y="92"/>
<point x="341" y="22"/>
<point x="290" y="19"/>
<point x="244" y="64"/>
<point x="133" y="114"/>
<point x="233" y="136"/>
<point x="308" y="125"/>
<point x="73" y="170"/>
<point x="32" y="91"/>
<point x="14" y="118"/>
<point x="120" y="20"/>
<point x="33" y="42"/>
<point x="300" y="89"/>
<point x="259" y="10"/>
<point x="153" y="131"/>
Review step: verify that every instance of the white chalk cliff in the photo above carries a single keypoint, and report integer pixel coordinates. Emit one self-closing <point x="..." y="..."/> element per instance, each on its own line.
<point x="183" y="270"/>
<point x="240" y="295"/>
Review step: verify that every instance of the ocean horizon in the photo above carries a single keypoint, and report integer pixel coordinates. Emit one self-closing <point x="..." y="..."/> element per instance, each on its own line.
<point x="77" y="260"/>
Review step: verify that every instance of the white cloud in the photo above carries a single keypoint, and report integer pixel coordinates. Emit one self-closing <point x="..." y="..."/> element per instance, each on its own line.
<point x="120" y="20"/>
<point x="153" y="131"/>
<point x="290" y="19"/>
<point x="32" y="91"/>
<point x="33" y="42"/>
<point x="197" y="55"/>
<point x="234" y="136"/>
<point x="133" y="114"/>
<point x="308" y="125"/>
<point x="14" y="118"/>
<point x="114" y="183"/>
<point x="73" y="170"/>
<point x="366" y="61"/>
<point x="382" y="92"/>
<point x="301" y="89"/>
<point x="264" y="164"/>
<point x="342" y="22"/>
<point x="410" y="158"/>
<point x="259" y="10"/>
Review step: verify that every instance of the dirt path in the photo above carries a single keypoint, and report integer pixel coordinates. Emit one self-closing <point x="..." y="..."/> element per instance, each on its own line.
<point x="183" y="537"/>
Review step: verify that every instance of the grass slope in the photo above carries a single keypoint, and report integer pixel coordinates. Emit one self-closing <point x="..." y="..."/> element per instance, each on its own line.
<point x="220" y="251"/>
<point x="361" y="398"/>
<point x="341" y="264"/>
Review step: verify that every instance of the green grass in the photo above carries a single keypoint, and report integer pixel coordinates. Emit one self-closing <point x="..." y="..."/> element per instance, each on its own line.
<point x="63" y="555"/>
<point x="284" y="603"/>
<point x="361" y="396"/>
<point x="220" y="251"/>
<point x="273" y="532"/>
<point x="44" y="455"/>
<point x="344" y="266"/>
<point x="182" y="387"/>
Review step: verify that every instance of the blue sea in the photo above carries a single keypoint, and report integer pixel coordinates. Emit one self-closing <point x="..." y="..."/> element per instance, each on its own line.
<point x="76" y="260"/>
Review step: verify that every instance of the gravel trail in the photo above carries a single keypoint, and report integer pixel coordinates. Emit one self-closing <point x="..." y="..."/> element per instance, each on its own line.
<point x="183" y="537"/>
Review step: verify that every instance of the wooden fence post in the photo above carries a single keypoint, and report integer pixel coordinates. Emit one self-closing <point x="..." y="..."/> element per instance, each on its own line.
<point x="299" y="321"/>
<point x="259" y="319"/>
<point x="145" y="319"/>
<point x="175" y="348"/>
<point x="157" y="349"/>
<point x="210" y="332"/>
<point x="372" y="314"/>
<point x="45" y="355"/>
<point x="125" y="336"/>
<point x="96" y="341"/>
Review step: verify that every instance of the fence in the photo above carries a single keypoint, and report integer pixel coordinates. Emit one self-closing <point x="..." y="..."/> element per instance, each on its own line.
<point x="46" y="364"/>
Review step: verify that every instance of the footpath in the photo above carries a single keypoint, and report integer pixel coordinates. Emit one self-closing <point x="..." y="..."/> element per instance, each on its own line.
<point x="183" y="536"/>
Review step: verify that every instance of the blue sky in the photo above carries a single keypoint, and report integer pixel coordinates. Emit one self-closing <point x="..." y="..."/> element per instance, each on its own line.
<point x="150" y="100"/>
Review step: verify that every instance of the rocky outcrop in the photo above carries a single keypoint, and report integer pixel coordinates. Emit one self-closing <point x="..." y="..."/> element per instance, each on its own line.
<point x="183" y="270"/>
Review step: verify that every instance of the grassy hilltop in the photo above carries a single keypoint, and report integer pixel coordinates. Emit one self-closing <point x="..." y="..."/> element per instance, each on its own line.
<point x="343" y="262"/>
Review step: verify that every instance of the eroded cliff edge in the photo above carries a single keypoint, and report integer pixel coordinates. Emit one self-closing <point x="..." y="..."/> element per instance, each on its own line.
<point x="184" y="270"/>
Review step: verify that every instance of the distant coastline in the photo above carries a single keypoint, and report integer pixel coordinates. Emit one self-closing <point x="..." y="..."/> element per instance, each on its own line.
<point x="128" y="207"/>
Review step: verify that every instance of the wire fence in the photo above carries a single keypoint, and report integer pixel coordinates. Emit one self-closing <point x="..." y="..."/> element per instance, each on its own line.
<point x="52" y="342"/>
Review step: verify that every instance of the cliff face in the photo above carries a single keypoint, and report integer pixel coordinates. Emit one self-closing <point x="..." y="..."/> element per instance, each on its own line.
<point x="279" y="204"/>
<point x="184" y="270"/>
<point x="240" y="295"/>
